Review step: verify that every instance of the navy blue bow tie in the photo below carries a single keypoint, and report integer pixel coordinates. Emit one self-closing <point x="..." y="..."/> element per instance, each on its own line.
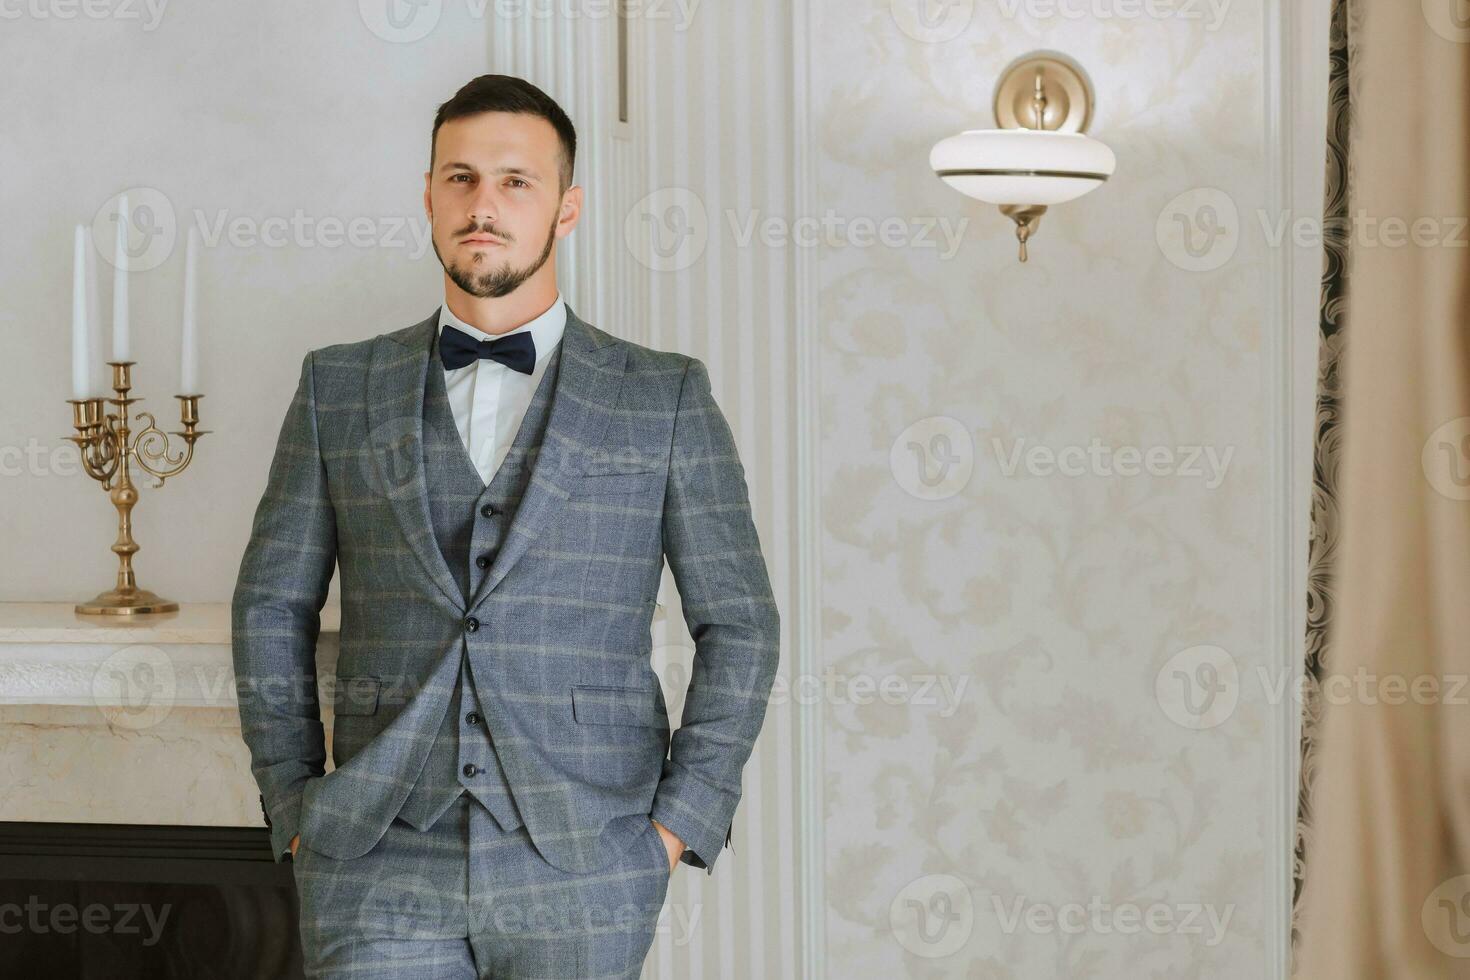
<point x="516" y="351"/>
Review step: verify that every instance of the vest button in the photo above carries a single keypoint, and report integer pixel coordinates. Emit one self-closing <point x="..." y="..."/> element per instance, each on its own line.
<point x="487" y="511"/>
<point x="472" y="719"/>
<point x="471" y="624"/>
<point x="483" y="561"/>
<point x="469" y="769"/>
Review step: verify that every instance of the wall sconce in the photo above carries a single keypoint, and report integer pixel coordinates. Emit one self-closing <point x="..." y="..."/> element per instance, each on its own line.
<point x="1039" y="155"/>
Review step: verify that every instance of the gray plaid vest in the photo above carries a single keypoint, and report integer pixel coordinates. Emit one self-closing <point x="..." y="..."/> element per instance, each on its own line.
<point x="469" y="520"/>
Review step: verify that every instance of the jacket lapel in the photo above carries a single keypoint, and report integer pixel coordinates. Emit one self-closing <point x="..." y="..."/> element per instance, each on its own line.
<point x="395" y="395"/>
<point x="587" y="385"/>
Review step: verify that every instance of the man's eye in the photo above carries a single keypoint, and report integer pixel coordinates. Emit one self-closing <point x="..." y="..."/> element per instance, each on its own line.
<point x="517" y="180"/>
<point x="457" y="176"/>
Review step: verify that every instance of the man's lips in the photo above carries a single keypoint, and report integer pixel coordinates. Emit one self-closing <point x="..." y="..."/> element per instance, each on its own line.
<point x="482" y="241"/>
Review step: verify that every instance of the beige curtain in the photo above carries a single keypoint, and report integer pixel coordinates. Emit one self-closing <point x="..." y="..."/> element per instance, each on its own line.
<point x="1384" y="897"/>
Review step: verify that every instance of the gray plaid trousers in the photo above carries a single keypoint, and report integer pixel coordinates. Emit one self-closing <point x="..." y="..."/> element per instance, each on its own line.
<point x="468" y="899"/>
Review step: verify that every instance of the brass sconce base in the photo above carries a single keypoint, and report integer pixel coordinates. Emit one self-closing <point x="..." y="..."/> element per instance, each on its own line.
<point x="1044" y="90"/>
<point x="1026" y="217"/>
<point x="126" y="602"/>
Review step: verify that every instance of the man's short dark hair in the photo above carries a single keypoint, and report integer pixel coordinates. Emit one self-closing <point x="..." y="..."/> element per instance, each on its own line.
<point x="507" y="93"/>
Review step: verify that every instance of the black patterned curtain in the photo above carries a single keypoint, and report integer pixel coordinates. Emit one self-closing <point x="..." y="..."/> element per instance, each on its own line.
<point x="1322" y="551"/>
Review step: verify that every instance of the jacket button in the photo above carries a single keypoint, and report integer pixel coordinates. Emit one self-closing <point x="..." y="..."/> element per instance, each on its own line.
<point x="471" y="624"/>
<point x="487" y="511"/>
<point x="483" y="561"/>
<point x="472" y="719"/>
<point x="469" y="769"/>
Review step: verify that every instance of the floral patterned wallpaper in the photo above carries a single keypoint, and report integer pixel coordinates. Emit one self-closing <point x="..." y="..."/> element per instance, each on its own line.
<point x="1045" y="500"/>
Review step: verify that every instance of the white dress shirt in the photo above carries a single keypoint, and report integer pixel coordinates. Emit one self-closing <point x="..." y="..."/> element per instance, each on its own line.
<point x="488" y="399"/>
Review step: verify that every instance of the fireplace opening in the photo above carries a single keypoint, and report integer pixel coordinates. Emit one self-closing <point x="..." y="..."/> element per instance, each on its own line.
<point x="115" y="901"/>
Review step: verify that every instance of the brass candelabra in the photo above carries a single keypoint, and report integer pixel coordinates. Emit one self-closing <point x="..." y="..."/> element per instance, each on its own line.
<point x="106" y="447"/>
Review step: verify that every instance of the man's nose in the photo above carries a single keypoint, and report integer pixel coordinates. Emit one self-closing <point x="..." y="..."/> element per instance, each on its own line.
<point x="483" y="208"/>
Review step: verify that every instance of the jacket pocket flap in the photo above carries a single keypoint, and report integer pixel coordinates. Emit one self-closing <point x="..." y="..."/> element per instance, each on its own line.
<point x="618" y="706"/>
<point x="356" y="696"/>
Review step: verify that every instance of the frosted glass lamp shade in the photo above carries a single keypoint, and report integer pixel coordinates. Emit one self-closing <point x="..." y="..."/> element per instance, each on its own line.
<point x="1022" y="167"/>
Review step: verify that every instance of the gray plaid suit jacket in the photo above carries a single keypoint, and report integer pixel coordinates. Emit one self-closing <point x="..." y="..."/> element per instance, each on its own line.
<point x="637" y="464"/>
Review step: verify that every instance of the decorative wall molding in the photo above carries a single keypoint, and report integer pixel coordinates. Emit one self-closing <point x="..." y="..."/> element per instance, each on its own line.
<point x="1295" y="118"/>
<point x="807" y="636"/>
<point x="576" y="61"/>
<point x="710" y="132"/>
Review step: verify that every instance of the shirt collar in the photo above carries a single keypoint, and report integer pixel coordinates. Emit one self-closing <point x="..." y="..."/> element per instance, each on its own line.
<point x="545" y="329"/>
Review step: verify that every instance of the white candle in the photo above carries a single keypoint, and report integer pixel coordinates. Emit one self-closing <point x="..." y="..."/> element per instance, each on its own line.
<point x="189" y="343"/>
<point x="120" y="284"/>
<point x="81" y="358"/>
<point x="101" y="374"/>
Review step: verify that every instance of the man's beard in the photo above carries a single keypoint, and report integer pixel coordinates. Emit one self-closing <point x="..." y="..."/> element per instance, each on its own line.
<point x="496" y="282"/>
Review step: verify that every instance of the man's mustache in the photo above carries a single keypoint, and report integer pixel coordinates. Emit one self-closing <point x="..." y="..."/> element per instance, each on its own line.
<point x="473" y="230"/>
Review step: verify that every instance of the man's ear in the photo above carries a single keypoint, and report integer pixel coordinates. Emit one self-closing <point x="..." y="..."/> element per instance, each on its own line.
<point x="570" y="211"/>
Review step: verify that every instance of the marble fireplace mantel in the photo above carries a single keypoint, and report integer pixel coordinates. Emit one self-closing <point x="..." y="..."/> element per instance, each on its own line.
<point x="52" y="655"/>
<point x="127" y="720"/>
